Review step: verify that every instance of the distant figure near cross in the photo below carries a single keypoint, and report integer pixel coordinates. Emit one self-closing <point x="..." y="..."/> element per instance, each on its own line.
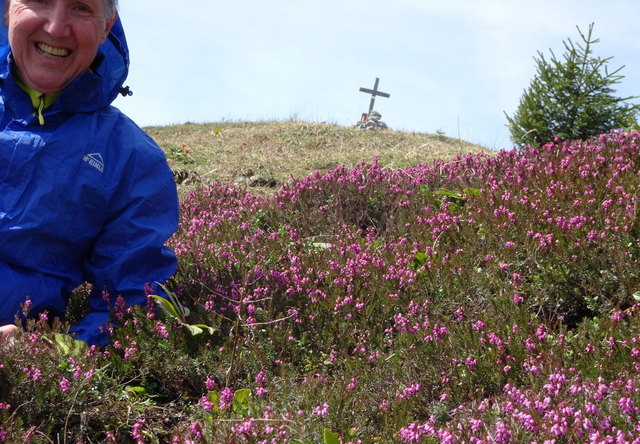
<point x="374" y="92"/>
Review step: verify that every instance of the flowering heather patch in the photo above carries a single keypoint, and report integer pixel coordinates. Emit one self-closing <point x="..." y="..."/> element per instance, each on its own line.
<point x="488" y="299"/>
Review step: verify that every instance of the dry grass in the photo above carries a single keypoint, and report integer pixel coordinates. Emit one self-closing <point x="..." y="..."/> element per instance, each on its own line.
<point x="279" y="150"/>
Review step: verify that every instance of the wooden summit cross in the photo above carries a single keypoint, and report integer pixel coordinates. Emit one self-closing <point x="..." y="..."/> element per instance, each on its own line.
<point x="374" y="92"/>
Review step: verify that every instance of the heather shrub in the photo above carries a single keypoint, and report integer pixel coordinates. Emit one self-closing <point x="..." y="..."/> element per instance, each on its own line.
<point x="487" y="299"/>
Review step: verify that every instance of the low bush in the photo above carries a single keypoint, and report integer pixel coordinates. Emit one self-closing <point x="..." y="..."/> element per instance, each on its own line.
<point x="487" y="299"/>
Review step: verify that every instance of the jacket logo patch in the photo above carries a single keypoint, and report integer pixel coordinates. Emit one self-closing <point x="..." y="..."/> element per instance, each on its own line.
<point x="95" y="160"/>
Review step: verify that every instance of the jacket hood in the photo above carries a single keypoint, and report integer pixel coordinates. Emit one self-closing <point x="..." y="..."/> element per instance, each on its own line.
<point x="100" y="87"/>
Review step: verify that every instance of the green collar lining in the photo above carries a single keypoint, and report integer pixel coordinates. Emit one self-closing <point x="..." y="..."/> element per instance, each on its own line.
<point x="39" y="101"/>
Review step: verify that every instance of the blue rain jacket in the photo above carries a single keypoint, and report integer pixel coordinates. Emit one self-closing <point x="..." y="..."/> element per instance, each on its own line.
<point x="87" y="197"/>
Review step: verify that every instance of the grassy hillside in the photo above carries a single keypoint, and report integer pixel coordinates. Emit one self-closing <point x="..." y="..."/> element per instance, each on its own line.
<point x="278" y="150"/>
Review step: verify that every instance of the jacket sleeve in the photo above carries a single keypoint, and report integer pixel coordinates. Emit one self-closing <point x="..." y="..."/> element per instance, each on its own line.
<point x="130" y="250"/>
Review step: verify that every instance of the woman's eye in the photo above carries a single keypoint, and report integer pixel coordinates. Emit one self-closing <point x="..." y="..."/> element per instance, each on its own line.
<point x="83" y="9"/>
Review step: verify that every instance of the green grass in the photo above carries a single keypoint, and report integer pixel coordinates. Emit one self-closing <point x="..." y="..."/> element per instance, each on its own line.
<point x="280" y="150"/>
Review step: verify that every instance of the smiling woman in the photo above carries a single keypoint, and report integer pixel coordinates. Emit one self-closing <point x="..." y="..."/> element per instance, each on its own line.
<point x="55" y="41"/>
<point x="85" y="195"/>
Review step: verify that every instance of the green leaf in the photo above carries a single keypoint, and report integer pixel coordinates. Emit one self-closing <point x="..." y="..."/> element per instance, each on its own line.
<point x="211" y="330"/>
<point x="330" y="437"/>
<point x="242" y="397"/>
<point x="471" y="191"/>
<point x="448" y="193"/>
<point x="69" y="346"/>
<point x="166" y="306"/>
<point x="181" y="311"/>
<point x="636" y="296"/>
<point x="193" y="329"/>
<point x="418" y="260"/>
<point x="213" y="397"/>
<point x="138" y="391"/>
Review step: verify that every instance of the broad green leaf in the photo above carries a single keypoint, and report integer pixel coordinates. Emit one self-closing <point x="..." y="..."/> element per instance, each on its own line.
<point x="182" y="311"/>
<point x="69" y="346"/>
<point x="419" y="260"/>
<point x="471" y="191"/>
<point x="139" y="391"/>
<point x="330" y="437"/>
<point x="213" y="396"/>
<point x="211" y="330"/>
<point x="193" y="329"/>
<point x="166" y="306"/>
<point x="448" y="193"/>
<point x="242" y="397"/>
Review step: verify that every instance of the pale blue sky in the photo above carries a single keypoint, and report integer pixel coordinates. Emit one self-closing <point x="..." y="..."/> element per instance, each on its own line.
<point x="449" y="65"/>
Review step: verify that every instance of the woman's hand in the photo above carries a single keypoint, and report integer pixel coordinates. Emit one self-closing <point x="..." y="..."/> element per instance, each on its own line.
<point x="7" y="333"/>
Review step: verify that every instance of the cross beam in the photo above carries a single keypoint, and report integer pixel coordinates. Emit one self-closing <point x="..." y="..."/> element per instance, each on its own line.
<point x="374" y="92"/>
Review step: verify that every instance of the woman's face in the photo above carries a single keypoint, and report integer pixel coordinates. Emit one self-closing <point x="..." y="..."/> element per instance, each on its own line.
<point x="54" y="41"/>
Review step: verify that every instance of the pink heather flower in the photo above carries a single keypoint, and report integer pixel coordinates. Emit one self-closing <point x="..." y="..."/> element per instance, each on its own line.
<point x="502" y="433"/>
<point x="129" y="352"/>
<point x="626" y="405"/>
<point x="471" y="363"/>
<point x="591" y="409"/>
<point x="161" y="329"/>
<point x="617" y="316"/>
<point x="529" y="344"/>
<point x="409" y="391"/>
<point x="261" y="392"/>
<point x="65" y="385"/>
<point x="196" y="430"/>
<point x="246" y="428"/>
<point x="353" y="384"/>
<point x="412" y="433"/>
<point x="541" y="332"/>
<point x="209" y="384"/>
<point x="321" y="410"/>
<point x="476" y="425"/>
<point x="226" y="398"/>
<point x="136" y="431"/>
<point x="206" y="404"/>
<point x="33" y="374"/>
<point x="260" y="378"/>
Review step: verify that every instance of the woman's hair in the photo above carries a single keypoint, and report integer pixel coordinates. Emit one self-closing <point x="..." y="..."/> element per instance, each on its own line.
<point x="111" y="7"/>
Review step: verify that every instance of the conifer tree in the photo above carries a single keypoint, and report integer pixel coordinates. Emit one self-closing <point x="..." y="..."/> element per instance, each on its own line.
<point x="571" y="98"/>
